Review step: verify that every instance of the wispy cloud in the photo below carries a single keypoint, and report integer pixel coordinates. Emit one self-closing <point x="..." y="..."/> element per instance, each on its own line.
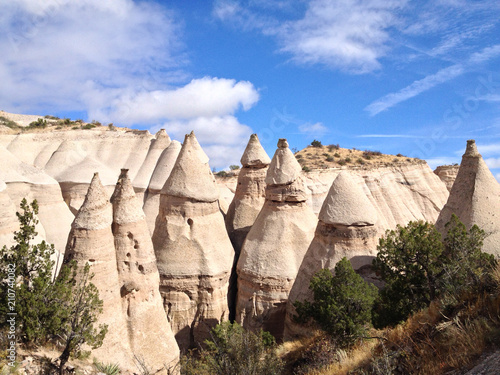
<point x="424" y="84"/>
<point x="314" y="129"/>
<point x="492" y="163"/>
<point x="389" y="136"/>
<point x="442" y="160"/>
<point x="344" y="34"/>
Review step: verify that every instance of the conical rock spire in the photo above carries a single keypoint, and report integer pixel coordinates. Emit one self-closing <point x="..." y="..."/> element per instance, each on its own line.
<point x="142" y="305"/>
<point x="91" y="241"/>
<point x="346" y="228"/>
<point x="254" y="154"/>
<point x="284" y="167"/>
<point x="347" y="204"/>
<point x="192" y="248"/>
<point x="475" y="199"/>
<point x="192" y="161"/>
<point x="275" y="246"/>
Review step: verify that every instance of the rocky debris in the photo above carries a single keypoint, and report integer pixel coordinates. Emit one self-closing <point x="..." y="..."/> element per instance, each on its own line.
<point x="91" y="241"/>
<point x="274" y="247"/>
<point x="346" y="228"/>
<point x="192" y="248"/>
<point x="160" y="175"/>
<point x="142" y="305"/>
<point x="475" y="199"/>
<point x="447" y="174"/>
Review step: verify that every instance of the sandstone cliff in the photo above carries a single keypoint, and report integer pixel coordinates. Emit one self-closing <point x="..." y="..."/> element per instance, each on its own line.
<point x="447" y="174"/>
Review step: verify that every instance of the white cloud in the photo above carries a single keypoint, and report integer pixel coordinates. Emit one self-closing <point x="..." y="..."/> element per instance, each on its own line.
<point x="443" y="160"/>
<point x="497" y="176"/>
<point x="416" y="88"/>
<point x="389" y="136"/>
<point x="492" y="163"/>
<point x="54" y="50"/>
<point x="316" y="129"/>
<point x="223" y="138"/>
<point x="430" y="81"/>
<point x="345" y="34"/>
<point x="489" y="149"/>
<point x="205" y="97"/>
<point x="121" y="61"/>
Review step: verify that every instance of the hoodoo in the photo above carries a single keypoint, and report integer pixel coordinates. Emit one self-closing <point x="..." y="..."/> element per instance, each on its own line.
<point x="160" y="175"/>
<point x="275" y="246"/>
<point x="91" y="241"/>
<point x="475" y="199"/>
<point x="142" y="306"/>
<point x="346" y="228"/>
<point x="158" y="145"/>
<point x="247" y="202"/>
<point x="250" y="193"/>
<point x="192" y="248"/>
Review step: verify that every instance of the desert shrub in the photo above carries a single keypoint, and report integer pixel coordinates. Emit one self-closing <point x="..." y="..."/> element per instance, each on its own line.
<point x="395" y="160"/>
<point x="51" y="117"/>
<point x="400" y="155"/>
<point x="333" y="147"/>
<point x="360" y="161"/>
<point x="316" y="143"/>
<point x="234" y="167"/>
<point x="329" y="158"/>
<point x="88" y="126"/>
<point x="342" y="303"/>
<point x="369" y="153"/>
<point x="107" y="368"/>
<point x="341" y="162"/>
<point x="222" y="174"/>
<point x="95" y="123"/>
<point x="9" y="123"/>
<point x="40" y="123"/>
<point x="305" y="168"/>
<point x="418" y="267"/>
<point x="233" y="351"/>
<point x="337" y="155"/>
<point x="348" y="160"/>
<point x="67" y="121"/>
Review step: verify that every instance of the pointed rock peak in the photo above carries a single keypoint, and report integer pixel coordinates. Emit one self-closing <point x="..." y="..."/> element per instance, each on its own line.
<point x="254" y="154"/>
<point x="95" y="212"/>
<point x="123" y="174"/>
<point x="191" y="176"/>
<point x="126" y="206"/>
<point x="193" y="143"/>
<point x="347" y="203"/>
<point x="471" y="149"/>
<point x="162" y="140"/>
<point x="284" y="168"/>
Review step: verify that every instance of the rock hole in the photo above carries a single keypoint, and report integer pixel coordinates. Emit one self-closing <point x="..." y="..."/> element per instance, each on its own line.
<point x="141" y="268"/>
<point x="128" y="255"/>
<point x="136" y="244"/>
<point x="190" y="222"/>
<point x="130" y="235"/>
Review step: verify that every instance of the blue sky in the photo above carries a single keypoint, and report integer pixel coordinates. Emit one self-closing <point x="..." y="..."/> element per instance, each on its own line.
<point x="411" y="77"/>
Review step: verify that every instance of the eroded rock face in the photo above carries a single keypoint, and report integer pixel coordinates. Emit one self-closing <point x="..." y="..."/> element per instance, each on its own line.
<point x="475" y="199"/>
<point x="160" y="175"/>
<point x="274" y="247"/>
<point x="447" y="174"/>
<point x="348" y="228"/>
<point x="192" y="248"/>
<point x="250" y="193"/>
<point x="248" y="200"/>
<point x="26" y="181"/>
<point x="91" y="241"/>
<point x="148" y="329"/>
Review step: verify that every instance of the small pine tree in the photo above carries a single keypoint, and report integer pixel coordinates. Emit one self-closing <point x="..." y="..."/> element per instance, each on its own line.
<point x="342" y="303"/>
<point x="66" y="307"/>
<point x="316" y="143"/>
<point x="233" y="351"/>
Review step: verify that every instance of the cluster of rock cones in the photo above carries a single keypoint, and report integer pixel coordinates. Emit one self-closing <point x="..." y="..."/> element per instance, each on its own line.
<point x="166" y="283"/>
